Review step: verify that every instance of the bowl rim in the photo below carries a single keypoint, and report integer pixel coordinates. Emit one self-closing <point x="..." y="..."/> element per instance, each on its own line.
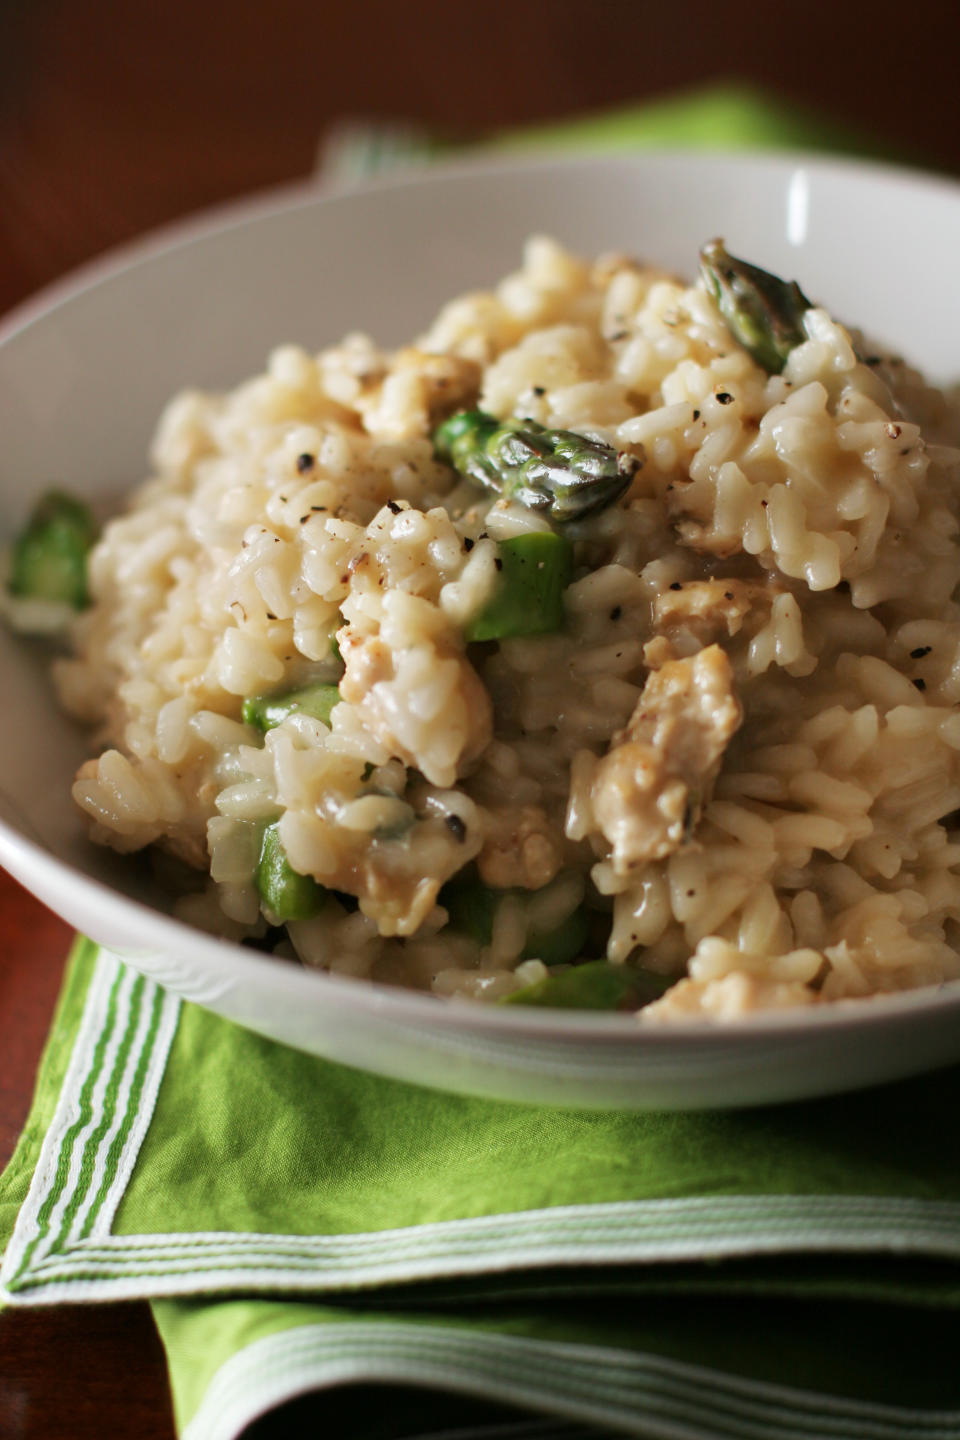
<point x="420" y="1008"/>
<point x="288" y="196"/>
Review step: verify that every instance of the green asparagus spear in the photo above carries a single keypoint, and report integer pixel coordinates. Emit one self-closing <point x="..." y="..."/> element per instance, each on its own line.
<point x="763" y="313"/>
<point x="266" y="711"/>
<point x="49" y="558"/>
<point x="535" y="570"/>
<point x="563" y="474"/>
<point x="286" y="893"/>
<point x="595" y="985"/>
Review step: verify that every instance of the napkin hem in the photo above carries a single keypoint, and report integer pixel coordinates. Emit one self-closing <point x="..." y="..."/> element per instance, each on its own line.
<point x="103" y="1110"/>
<point x="121" y="1267"/>
<point x="635" y="1392"/>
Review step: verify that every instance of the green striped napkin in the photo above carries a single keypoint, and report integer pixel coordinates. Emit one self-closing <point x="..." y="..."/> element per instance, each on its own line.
<point x="305" y="1227"/>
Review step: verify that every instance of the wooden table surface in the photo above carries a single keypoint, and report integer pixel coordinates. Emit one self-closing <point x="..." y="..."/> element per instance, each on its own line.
<point x="118" y="115"/>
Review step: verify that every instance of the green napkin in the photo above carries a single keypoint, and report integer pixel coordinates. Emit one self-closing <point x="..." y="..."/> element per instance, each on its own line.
<point x="720" y="117"/>
<point x="302" y="1226"/>
<point x="725" y="116"/>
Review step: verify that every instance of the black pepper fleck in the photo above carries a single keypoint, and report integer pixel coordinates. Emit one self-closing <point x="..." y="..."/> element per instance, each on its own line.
<point x="920" y="651"/>
<point x="677" y="585"/>
<point x="499" y="563"/>
<point x="316" y="509"/>
<point x="468" y="544"/>
<point x="724" y="397"/>
<point x="696" y="414"/>
<point x="456" y="826"/>
<point x="393" y="507"/>
<point x="305" y="462"/>
<point x="539" y="390"/>
<point x="920" y="684"/>
<point x="616" y="612"/>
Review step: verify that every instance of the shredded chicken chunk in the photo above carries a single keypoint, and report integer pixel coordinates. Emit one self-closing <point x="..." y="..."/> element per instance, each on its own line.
<point x="649" y="789"/>
<point x="727" y="998"/>
<point x="418" y="390"/>
<point x="711" y="608"/>
<point x="522" y="848"/>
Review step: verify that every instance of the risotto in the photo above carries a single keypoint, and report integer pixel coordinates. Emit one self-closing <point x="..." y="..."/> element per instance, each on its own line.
<point x="388" y="691"/>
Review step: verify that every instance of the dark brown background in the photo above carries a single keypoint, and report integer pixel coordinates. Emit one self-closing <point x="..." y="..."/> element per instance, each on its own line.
<point x="117" y="115"/>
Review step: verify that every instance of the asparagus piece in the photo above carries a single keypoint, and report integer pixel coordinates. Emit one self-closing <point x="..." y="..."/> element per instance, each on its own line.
<point x="472" y="907"/>
<point x="562" y="945"/>
<point x="559" y="472"/>
<point x="49" y="557"/>
<point x="763" y="313"/>
<point x="266" y="711"/>
<point x="595" y="985"/>
<point x="286" y="894"/>
<point x="535" y="570"/>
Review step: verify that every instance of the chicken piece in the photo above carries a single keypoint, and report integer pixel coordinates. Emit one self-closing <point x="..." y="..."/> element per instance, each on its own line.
<point x="727" y="998"/>
<point x="447" y="382"/>
<point x="710" y="608"/>
<point x="368" y="662"/>
<point x="438" y="728"/>
<point x="395" y="873"/>
<point x="418" y="391"/>
<point x="392" y="883"/>
<point x="521" y="848"/>
<point x="650" y="787"/>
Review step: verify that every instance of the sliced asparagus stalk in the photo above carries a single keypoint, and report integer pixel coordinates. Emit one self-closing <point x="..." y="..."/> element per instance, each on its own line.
<point x="286" y="894"/>
<point x="472" y="907"/>
<point x="595" y="985"/>
<point x="535" y="570"/>
<point x="49" y="556"/>
<point x="266" y="711"/>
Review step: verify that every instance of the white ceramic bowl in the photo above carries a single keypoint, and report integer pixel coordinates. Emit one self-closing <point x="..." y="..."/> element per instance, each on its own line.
<point x="84" y="372"/>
